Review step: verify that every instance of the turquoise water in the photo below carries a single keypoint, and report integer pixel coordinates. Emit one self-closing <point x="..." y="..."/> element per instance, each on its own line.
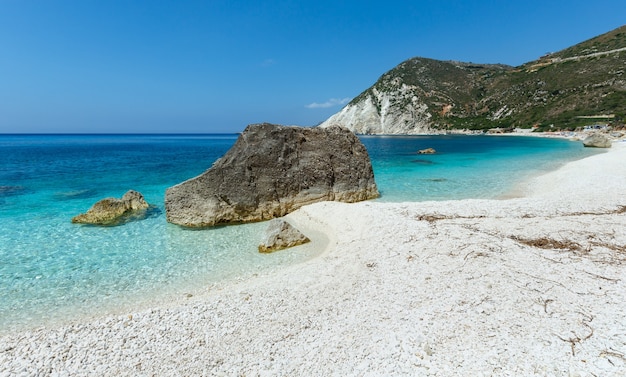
<point x="51" y="269"/>
<point x="464" y="167"/>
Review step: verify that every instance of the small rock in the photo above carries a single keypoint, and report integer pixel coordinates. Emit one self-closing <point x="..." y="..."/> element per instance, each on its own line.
<point x="427" y="349"/>
<point x="281" y="235"/>
<point x="427" y="151"/>
<point x="109" y="211"/>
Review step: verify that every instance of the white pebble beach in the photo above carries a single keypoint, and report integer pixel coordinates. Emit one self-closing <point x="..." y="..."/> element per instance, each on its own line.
<point x="527" y="286"/>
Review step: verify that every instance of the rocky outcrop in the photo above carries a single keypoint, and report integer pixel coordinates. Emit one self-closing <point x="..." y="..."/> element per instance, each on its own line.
<point x="110" y="211"/>
<point x="271" y="171"/>
<point x="597" y="140"/>
<point x="427" y="151"/>
<point x="281" y="235"/>
<point x="379" y="114"/>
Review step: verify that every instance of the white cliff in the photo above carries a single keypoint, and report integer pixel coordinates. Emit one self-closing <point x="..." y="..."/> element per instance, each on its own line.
<point x="391" y="113"/>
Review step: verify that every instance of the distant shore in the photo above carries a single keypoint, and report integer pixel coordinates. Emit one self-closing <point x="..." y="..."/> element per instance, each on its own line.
<point x="573" y="135"/>
<point x="526" y="286"/>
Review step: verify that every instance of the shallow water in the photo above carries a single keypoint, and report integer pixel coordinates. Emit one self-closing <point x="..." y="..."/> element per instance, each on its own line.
<point x="463" y="167"/>
<point x="51" y="269"/>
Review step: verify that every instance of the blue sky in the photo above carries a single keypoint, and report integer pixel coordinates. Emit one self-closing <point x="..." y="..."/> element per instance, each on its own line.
<point x="217" y="66"/>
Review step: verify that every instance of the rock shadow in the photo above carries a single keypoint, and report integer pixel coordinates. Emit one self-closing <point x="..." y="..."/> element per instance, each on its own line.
<point x="423" y="162"/>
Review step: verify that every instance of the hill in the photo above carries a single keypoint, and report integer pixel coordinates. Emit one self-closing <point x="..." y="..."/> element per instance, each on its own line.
<point x="580" y="85"/>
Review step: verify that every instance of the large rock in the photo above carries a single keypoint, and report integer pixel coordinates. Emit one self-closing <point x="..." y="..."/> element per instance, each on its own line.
<point x="109" y="211"/>
<point x="597" y="140"/>
<point x="273" y="170"/>
<point x="281" y="235"/>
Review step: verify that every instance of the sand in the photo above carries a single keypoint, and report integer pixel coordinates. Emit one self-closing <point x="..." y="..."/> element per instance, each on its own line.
<point x="517" y="287"/>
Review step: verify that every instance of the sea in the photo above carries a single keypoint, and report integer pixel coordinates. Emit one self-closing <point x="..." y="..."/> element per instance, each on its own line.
<point x="53" y="271"/>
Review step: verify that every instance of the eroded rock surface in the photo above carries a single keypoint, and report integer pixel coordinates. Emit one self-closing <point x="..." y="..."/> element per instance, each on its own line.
<point x="273" y="170"/>
<point x="597" y="141"/>
<point x="427" y="151"/>
<point x="109" y="210"/>
<point x="281" y="235"/>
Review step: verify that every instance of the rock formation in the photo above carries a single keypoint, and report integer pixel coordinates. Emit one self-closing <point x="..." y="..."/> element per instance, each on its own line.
<point x="281" y="235"/>
<point x="379" y="114"/>
<point x="427" y="151"/>
<point x="273" y="170"/>
<point x="109" y="211"/>
<point x="597" y="140"/>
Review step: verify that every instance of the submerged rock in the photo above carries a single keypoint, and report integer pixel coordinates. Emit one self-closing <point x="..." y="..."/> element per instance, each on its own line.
<point x="12" y="190"/>
<point x="281" y="235"/>
<point x="77" y="194"/>
<point x="597" y="141"/>
<point x="109" y="211"/>
<point x="425" y="162"/>
<point x="273" y="170"/>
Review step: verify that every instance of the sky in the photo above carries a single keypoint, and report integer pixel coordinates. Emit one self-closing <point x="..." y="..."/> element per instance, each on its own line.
<point x="156" y="66"/>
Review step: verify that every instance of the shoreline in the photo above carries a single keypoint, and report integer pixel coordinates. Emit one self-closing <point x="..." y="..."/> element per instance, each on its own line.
<point x="173" y="292"/>
<point x="415" y="288"/>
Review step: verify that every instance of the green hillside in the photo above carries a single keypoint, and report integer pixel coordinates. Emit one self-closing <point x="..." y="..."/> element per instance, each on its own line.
<point x="581" y="85"/>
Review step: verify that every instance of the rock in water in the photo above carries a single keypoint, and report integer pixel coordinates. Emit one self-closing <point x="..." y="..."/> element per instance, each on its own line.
<point x="597" y="141"/>
<point x="281" y="235"/>
<point x="109" y="210"/>
<point x="427" y="151"/>
<point x="273" y="170"/>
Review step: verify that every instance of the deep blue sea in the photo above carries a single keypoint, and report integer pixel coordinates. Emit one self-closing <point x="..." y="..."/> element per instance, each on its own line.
<point x="51" y="269"/>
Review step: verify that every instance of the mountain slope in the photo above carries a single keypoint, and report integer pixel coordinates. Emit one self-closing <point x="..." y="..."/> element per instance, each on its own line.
<point x="566" y="89"/>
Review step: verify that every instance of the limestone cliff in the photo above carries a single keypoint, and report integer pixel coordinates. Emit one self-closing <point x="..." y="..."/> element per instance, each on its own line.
<point x="378" y="113"/>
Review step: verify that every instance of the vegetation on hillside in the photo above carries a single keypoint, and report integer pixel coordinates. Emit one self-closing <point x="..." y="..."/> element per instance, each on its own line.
<point x="581" y="85"/>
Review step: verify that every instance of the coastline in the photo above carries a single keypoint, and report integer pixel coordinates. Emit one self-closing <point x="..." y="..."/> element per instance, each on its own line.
<point x="427" y="288"/>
